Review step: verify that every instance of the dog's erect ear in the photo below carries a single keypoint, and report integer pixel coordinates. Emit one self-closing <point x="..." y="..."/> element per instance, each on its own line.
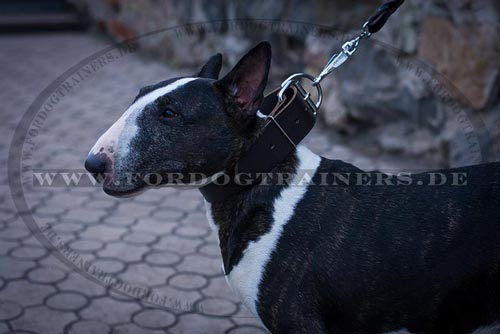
<point x="212" y="68"/>
<point x="245" y="83"/>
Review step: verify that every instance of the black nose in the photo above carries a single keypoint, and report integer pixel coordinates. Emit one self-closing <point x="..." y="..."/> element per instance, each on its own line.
<point x="95" y="164"/>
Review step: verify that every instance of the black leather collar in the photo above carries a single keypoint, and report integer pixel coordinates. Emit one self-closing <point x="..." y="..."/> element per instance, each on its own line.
<point x="288" y="122"/>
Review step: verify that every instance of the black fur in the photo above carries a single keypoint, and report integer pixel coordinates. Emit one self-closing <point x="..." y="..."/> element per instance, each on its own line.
<point x="374" y="259"/>
<point x="212" y="68"/>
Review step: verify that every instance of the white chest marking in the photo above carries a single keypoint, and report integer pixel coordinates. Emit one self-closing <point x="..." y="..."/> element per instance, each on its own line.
<point x="245" y="277"/>
<point x="492" y="329"/>
<point x="125" y="128"/>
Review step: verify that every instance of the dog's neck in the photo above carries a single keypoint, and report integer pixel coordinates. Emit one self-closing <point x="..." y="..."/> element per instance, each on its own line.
<point x="244" y="217"/>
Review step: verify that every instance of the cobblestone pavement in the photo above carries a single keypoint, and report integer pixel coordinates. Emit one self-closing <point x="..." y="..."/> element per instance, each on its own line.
<point x="159" y="240"/>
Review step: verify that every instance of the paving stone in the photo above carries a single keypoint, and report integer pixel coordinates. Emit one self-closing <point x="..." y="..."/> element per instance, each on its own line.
<point x="66" y="200"/>
<point x="17" y="268"/>
<point x="188" y="281"/>
<point x="163" y="258"/>
<point x="47" y="275"/>
<point x="174" y="299"/>
<point x="134" y="329"/>
<point x="152" y="225"/>
<point x="211" y="249"/>
<point x="168" y="214"/>
<point x="76" y="282"/>
<point x="119" y="295"/>
<point x="4" y="329"/>
<point x="41" y="319"/>
<point x="53" y="262"/>
<point x="32" y="293"/>
<point x="195" y="218"/>
<point x="100" y="204"/>
<point x="211" y="238"/>
<point x="135" y="210"/>
<point x="217" y="307"/>
<point x="31" y="241"/>
<point x="199" y="324"/>
<point x="49" y="211"/>
<point x="109" y="311"/>
<point x="178" y="244"/>
<point x="103" y="233"/>
<point x="5" y="246"/>
<point x="190" y="194"/>
<point x="86" y="245"/>
<point x="140" y="238"/>
<point x="154" y="318"/>
<point x="89" y="327"/>
<point x="29" y="253"/>
<point x="7" y="216"/>
<point x="66" y="301"/>
<point x="192" y="231"/>
<point x="183" y="203"/>
<point x="14" y="233"/>
<point x="200" y="264"/>
<point x="145" y="274"/>
<point x="9" y="310"/>
<point x="124" y="251"/>
<point x="110" y="266"/>
<point x="85" y="215"/>
<point x="15" y="222"/>
<point x="120" y="220"/>
<point x="218" y="287"/>
<point x="68" y="227"/>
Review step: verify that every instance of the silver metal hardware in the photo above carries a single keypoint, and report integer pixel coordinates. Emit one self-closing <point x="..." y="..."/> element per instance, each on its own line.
<point x="364" y="30"/>
<point x="294" y="80"/>
<point x="348" y="48"/>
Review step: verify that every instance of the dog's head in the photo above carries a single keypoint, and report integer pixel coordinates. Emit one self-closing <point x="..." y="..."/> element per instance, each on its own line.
<point x="183" y="127"/>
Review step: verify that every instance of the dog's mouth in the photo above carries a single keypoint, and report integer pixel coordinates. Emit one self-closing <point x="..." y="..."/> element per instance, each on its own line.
<point x="120" y="186"/>
<point x="119" y="192"/>
<point x="116" y="186"/>
<point x="121" y="182"/>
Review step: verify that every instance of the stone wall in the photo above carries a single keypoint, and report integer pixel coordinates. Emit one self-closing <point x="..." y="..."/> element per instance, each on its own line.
<point x="425" y="88"/>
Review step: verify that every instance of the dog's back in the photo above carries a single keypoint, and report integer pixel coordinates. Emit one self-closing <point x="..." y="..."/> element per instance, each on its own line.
<point x="374" y="255"/>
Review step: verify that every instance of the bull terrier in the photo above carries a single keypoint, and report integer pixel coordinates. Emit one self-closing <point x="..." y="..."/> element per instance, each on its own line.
<point x="326" y="250"/>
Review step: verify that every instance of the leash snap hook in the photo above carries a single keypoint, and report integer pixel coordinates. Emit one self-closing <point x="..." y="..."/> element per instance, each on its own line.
<point x="364" y="31"/>
<point x="348" y="48"/>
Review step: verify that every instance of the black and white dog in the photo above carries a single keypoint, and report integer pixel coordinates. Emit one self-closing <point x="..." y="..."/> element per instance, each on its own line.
<point x="397" y="255"/>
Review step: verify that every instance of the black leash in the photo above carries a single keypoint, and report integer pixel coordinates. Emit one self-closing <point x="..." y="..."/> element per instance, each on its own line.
<point x="377" y="20"/>
<point x="290" y="114"/>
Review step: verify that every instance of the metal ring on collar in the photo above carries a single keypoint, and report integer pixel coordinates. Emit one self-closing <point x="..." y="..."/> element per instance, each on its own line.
<point x="294" y="79"/>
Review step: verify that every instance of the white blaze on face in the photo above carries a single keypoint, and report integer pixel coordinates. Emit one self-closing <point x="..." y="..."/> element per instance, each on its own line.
<point x="120" y="134"/>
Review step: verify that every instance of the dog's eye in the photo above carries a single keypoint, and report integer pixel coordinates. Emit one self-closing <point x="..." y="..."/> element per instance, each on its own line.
<point x="168" y="113"/>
